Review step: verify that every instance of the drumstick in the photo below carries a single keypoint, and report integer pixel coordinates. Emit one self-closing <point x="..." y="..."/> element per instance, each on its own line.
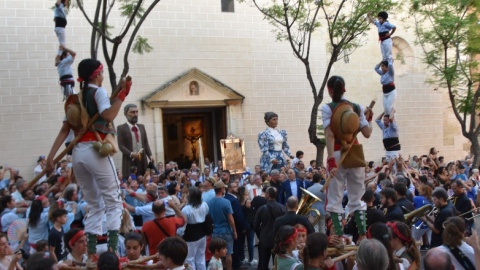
<point x="140" y="266"/>
<point x="344" y="154"/>
<point x="78" y="137"/>
<point x="344" y="256"/>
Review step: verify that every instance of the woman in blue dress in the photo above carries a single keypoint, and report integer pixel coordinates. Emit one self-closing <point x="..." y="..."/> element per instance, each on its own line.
<point x="273" y="143"/>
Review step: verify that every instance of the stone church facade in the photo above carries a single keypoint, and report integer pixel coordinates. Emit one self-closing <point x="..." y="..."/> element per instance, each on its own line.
<point x="211" y="73"/>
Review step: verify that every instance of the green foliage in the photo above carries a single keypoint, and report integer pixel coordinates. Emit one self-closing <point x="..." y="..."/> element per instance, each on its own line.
<point x="449" y="35"/>
<point x="128" y="7"/>
<point x="141" y="45"/>
<point x="321" y="133"/>
<point x="107" y="28"/>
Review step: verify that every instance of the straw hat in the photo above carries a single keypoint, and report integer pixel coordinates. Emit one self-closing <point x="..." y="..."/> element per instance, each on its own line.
<point x="345" y="122"/>
<point x="73" y="112"/>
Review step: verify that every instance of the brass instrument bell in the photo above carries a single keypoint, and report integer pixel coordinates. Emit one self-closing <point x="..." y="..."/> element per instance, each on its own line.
<point x="305" y="205"/>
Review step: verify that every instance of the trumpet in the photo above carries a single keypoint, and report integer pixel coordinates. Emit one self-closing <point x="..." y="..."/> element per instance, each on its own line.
<point x="473" y="210"/>
<point x="470" y="218"/>
<point x="433" y="213"/>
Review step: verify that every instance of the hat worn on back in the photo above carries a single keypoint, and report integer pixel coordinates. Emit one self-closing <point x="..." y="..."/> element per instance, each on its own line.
<point x="345" y="122"/>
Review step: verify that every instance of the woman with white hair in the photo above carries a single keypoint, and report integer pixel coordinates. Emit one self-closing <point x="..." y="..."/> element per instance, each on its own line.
<point x="371" y="254"/>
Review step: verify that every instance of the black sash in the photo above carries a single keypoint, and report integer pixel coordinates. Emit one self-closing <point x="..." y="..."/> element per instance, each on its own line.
<point x="60" y="22"/>
<point x="391" y="144"/>
<point x="382" y="35"/>
<point x="387" y="88"/>
<point x="461" y="258"/>
<point x="161" y="228"/>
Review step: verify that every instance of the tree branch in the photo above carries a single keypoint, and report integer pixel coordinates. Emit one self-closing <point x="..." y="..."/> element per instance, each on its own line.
<point x="102" y="33"/>
<point x="132" y="18"/>
<point x="93" y="51"/>
<point x="126" y="65"/>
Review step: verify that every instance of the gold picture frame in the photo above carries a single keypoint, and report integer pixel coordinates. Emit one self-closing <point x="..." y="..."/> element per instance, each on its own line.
<point x="233" y="154"/>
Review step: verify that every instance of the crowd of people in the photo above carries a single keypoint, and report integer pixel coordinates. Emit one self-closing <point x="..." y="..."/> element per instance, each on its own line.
<point x="86" y="213"/>
<point x="240" y="217"/>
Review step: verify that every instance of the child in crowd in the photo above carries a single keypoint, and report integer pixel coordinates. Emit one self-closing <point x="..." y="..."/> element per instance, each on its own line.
<point x="384" y="28"/>
<point x="76" y="243"/>
<point x="387" y="79"/>
<point x="285" y="243"/>
<point x="218" y="247"/>
<point x="55" y="237"/>
<point x="108" y="261"/>
<point x="41" y="246"/>
<point x="404" y="245"/>
<point x="298" y="157"/>
<point x="315" y="253"/>
<point x="60" y="19"/>
<point x="134" y="245"/>
<point x="301" y="240"/>
<point x="172" y="253"/>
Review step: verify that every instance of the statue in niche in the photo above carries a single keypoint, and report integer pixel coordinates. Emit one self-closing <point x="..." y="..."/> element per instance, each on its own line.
<point x="194" y="89"/>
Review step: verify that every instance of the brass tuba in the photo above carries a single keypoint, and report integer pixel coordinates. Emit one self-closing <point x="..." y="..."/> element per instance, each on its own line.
<point x="304" y="207"/>
<point x="412" y="217"/>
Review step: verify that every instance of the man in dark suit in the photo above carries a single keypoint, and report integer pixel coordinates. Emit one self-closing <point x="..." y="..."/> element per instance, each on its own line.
<point x="131" y="139"/>
<point x="292" y="219"/>
<point x="241" y="226"/>
<point x="263" y="224"/>
<point x="388" y="197"/>
<point x="401" y="191"/>
<point x="290" y="187"/>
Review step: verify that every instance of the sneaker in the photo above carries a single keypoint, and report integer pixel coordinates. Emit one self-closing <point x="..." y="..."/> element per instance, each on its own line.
<point x="245" y="261"/>
<point x="254" y="262"/>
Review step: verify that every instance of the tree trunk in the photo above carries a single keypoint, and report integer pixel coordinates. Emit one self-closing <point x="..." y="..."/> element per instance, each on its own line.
<point x="320" y="151"/>
<point x="312" y="133"/>
<point x="475" y="150"/>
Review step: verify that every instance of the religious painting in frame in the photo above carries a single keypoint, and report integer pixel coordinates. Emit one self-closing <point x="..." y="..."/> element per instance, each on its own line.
<point x="233" y="154"/>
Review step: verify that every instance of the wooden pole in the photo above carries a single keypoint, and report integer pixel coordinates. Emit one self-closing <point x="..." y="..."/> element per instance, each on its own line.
<point x="344" y="256"/>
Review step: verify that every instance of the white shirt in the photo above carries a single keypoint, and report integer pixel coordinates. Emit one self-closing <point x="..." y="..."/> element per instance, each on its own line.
<point x="101" y="98"/>
<point x="253" y="191"/>
<point x="168" y="210"/>
<point x="277" y="144"/>
<point x="145" y="211"/>
<point x="405" y="262"/>
<point x="327" y="116"/>
<point x="194" y="215"/>
<point x="294" y="162"/>
<point x="136" y="145"/>
<point x="37" y="171"/>
<point x="17" y="196"/>
<point x="293" y="187"/>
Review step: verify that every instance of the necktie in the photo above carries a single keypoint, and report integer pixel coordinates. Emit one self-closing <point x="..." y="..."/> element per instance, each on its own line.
<point x="135" y="130"/>
<point x="254" y="192"/>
